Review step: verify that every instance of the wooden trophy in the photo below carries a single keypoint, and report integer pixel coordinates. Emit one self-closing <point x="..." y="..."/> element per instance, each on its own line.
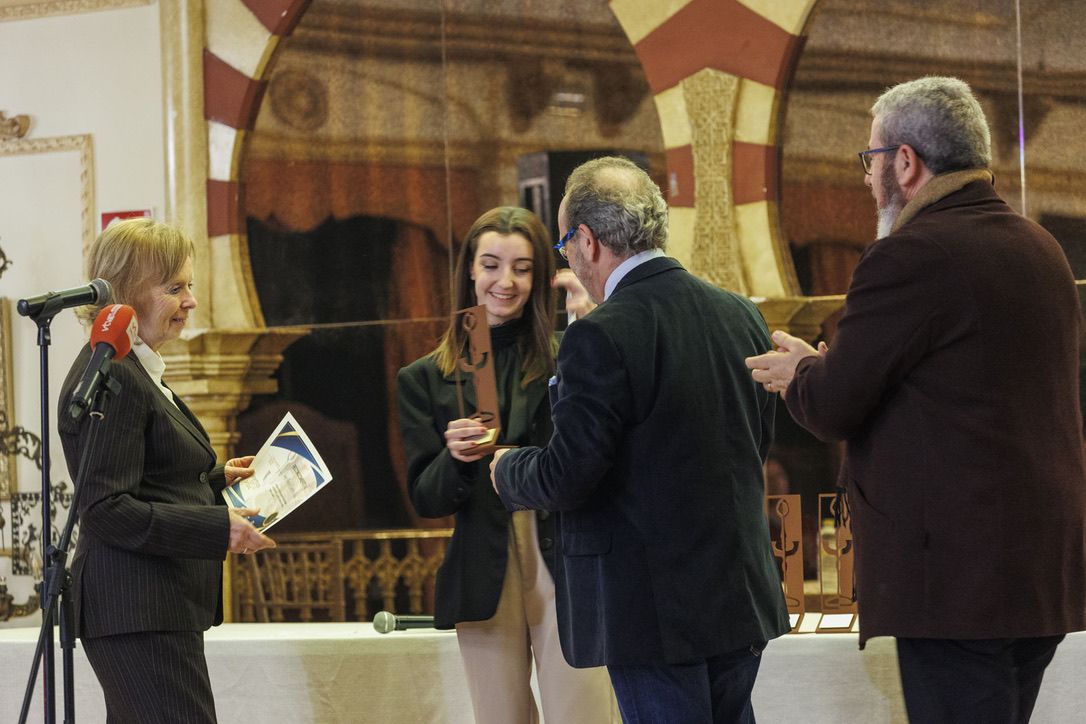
<point x="835" y="566"/>
<point x="479" y="362"/>
<point x="785" y="529"/>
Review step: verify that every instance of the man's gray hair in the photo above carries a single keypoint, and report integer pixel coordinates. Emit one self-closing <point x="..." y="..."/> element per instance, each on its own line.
<point x="940" y="118"/>
<point x="620" y="203"/>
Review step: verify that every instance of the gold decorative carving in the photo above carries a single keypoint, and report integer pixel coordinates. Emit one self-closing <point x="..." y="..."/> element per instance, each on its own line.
<point x="330" y="576"/>
<point x="711" y="97"/>
<point x="299" y="99"/>
<point x="799" y="316"/>
<point x="57" y="144"/>
<point x="217" y="371"/>
<point x="8" y="480"/>
<point x="8" y="607"/>
<point x="14" y="127"/>
<point x="298" y="580"/>
<point x="835" y="564"/>
<point x="786" y="532"/>
<point x="25" y="10"/>
<point x="417" y="567"/>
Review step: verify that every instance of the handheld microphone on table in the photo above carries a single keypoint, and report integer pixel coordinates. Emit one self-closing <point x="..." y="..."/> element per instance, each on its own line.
<point x="111" y="338"/>
<point x="98" y="291"/>
<point x="384" y="622"/>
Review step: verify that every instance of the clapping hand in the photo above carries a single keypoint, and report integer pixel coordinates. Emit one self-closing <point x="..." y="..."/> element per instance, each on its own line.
<point x="774" y="370"/>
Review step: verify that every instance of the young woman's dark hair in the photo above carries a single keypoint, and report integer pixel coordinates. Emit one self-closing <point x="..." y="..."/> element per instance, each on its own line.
<point x="538" y="345"/>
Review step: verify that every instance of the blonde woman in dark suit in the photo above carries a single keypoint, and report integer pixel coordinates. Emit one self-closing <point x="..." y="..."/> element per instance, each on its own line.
<point x="147" y="571"/>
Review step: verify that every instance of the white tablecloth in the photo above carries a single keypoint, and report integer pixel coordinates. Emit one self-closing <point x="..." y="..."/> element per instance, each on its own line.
<point x="346" y="672"/>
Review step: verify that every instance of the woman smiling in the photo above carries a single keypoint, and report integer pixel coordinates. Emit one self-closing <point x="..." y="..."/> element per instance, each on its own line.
<point x="495" y="585"/>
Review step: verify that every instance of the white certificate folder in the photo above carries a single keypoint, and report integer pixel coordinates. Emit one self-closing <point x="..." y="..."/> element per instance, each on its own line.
<point x="289" y="470"/>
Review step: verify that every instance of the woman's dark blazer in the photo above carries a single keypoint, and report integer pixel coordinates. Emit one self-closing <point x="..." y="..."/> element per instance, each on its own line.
<point x="469" y="582"/>
<point x="153" y="531"/>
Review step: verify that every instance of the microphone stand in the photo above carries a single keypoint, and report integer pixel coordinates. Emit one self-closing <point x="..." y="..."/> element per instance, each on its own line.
<point x="43" y="319"/>
<point x="55" y="575"/>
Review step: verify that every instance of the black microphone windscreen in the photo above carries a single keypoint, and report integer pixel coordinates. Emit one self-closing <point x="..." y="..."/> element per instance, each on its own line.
<point x="104" y="289"/>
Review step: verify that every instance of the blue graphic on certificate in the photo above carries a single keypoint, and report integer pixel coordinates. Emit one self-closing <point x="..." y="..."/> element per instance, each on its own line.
<point x="288" y="471"/>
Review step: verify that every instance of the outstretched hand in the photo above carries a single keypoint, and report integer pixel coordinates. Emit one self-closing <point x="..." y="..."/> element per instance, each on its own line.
<point x="775" y="369"/>
<point x="578" y="303"/>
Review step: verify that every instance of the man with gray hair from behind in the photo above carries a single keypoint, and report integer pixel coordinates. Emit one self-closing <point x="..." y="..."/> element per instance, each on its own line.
<point x="953" y="379"/>
<point x="654" y="470"/>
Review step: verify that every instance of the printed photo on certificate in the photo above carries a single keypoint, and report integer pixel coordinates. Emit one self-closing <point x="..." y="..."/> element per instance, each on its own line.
<point x="288" y="471"/>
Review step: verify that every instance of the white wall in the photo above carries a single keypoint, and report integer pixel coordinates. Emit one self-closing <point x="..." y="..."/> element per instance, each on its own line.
<point x="97" y="74"/>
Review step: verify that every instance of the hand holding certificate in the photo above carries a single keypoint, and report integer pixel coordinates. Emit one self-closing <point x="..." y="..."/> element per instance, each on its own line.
<point x="288" y="470"/>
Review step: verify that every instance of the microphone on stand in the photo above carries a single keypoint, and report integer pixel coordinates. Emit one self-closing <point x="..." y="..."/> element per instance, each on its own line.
<point x="112" y="336"/>
<point x="98" y="291"/>
<point x="384" y="622"/>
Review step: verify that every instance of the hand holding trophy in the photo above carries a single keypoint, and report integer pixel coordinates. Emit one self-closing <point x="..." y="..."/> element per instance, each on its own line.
<point x="482" y="439"/>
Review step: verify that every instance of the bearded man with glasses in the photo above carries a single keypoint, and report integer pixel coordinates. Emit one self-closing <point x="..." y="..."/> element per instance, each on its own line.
<point x="953" y="378"/>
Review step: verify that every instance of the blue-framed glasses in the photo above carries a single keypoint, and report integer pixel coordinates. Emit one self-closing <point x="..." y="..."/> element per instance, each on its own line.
<point x="560" y="247"/>
<point x="865" y="156"/>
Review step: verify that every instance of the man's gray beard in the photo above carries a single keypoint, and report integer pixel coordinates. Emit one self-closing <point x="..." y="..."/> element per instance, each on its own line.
<point x="895" y="202"/>
<point x="887" y="215"/>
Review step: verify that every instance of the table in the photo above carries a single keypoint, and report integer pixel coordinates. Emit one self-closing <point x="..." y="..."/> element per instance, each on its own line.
<point x="346" y="672"/>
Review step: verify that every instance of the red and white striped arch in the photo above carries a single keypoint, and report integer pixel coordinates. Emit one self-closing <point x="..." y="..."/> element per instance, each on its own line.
<point x="242" y="36"/>
<point x="757" y="41"/>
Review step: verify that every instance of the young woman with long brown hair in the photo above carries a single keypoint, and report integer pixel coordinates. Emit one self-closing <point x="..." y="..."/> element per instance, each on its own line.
<point x="495" y="585"/>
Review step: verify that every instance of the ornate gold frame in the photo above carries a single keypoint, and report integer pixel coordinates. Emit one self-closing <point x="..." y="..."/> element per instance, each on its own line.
<point x="57" y="144"/>
<point x="80" y="143"/>
<point x="24" y="10"/>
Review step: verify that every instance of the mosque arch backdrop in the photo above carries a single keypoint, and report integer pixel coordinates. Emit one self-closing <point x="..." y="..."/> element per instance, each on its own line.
<point x="737" y="100"/>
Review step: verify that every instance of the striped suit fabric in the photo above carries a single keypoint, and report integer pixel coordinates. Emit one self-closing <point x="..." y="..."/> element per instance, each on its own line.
<point x="153" y="677"/>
